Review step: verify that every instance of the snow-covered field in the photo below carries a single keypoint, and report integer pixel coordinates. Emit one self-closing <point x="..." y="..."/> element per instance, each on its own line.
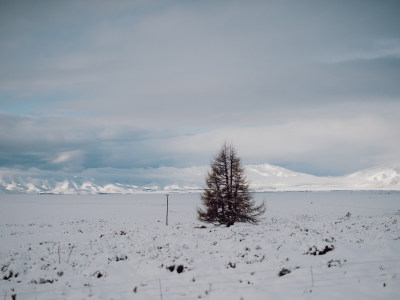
<point x="312" y="245"/>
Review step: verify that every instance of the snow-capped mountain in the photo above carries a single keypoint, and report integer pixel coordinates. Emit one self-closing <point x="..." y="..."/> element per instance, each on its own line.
<point x="102" y="181"/>
<point x="262" y="178"/>
<point x="270" y="178"/>
<point x="376" y="178"/>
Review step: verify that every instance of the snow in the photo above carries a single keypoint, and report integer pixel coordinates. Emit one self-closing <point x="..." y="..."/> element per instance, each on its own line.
<point x="118" y="247"/>
<point x="269" y="178"/>
<point x="267" y="170"/>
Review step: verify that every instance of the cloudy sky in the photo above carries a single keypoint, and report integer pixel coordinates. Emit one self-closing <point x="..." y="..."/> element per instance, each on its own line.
<point x="313" y="86"/>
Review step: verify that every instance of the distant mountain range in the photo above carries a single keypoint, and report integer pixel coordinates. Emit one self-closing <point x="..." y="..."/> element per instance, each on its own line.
<point x="271" y="178"/>
<point x="263" y="178"/>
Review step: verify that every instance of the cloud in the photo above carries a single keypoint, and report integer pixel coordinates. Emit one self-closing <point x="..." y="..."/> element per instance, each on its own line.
<point x="321" y="141"/>
<point x="70" y="160"/>
<point x="317" y="144"/>
<point x="308" y="85"/>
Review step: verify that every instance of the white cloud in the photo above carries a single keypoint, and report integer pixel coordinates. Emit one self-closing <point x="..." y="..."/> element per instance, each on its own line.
<point x="166" y="83"/>
<point x="64" y="157"/>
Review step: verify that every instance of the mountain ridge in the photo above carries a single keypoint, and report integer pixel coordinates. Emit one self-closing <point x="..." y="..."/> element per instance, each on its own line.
<point x="262" y="178"/>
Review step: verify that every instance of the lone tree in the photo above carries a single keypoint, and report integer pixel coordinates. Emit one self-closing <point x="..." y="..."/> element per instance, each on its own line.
<point x="227" y="198"/>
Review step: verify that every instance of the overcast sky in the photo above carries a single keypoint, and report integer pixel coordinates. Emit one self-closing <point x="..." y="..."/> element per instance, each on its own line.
<point x="313" y="86"/>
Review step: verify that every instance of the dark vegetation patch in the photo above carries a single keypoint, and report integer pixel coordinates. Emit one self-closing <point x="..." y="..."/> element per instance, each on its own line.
<point x="98" y="274"/>
<point x="229" y="224"/>
<point x="10" y="275"/>
<point x="122" y="257"/>
<point x="43" y="281"/>
<point x="171" y="268"/>
<point x="315" y="251"/>
<point x="118" y="258"/>
<point x="334" y="263"/>
<point x="179" y="269"/>
<point x="283" y="272"/>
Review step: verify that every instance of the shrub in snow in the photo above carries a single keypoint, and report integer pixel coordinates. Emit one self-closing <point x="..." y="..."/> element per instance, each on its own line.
<point x="283" y="272"/>
<point x="227" y="198"/>
<point x="179" y="269"/>
<point x="118" y="258"/>
<point x="98" y="274"/>
<point x="171" y="268"/>
<point x="10" y="275"/>
<point x="319" y="251"/>
<point x="334" y="263"/>
<point x="42" y="281"/>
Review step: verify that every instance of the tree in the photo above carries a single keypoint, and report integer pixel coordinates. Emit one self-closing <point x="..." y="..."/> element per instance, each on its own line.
<point x="227" y="198"/>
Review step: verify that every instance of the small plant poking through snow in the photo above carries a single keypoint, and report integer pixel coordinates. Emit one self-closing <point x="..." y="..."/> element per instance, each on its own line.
<point x="315" y="251"/>
<point x="98" y="274"/>
<point x="179" y="269"/>
<point x="171" y="268"/>
<point x="334" y="263"/>
<point x="10" y="275"/>
<point x="42" y="281"/>
<point x="283" y="272"/>
<point x="118" y="258"/>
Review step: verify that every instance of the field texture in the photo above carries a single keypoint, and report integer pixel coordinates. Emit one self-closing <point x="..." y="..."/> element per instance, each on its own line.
<point x="315" y="245"/>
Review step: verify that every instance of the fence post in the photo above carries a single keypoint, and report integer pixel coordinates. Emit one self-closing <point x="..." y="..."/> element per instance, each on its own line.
<point x="166" y="220"/>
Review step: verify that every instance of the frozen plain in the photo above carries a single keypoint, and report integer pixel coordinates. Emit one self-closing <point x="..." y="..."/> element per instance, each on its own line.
<point x="326" y="245"/>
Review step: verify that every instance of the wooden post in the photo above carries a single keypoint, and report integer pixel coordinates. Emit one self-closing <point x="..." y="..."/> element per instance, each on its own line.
<point x="166" y="221"/>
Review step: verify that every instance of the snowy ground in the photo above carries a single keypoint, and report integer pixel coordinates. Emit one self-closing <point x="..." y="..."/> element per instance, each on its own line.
<point x="326" y="245"/>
